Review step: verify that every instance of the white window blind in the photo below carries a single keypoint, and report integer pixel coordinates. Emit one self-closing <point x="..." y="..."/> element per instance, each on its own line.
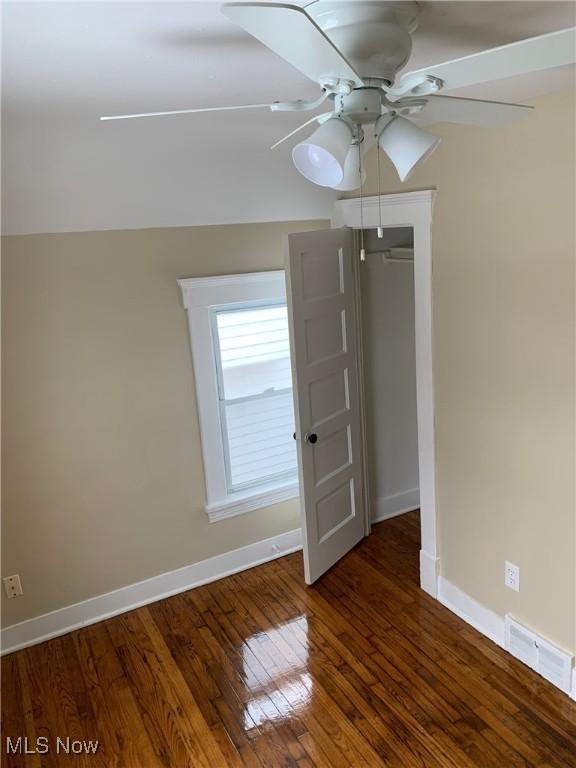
<point x="255" y="393"/>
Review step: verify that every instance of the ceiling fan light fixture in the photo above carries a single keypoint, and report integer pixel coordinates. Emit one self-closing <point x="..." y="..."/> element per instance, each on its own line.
<point x="321" y="158"/>
<point x="406" y="144"/>
<point x="352" y="179"/>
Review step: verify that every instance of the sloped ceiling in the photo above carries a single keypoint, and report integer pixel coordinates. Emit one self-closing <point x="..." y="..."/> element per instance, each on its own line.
<point x="65" y="64"/>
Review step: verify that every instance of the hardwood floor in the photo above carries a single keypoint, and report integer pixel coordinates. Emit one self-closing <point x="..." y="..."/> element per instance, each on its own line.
<point x="363" y="669"/>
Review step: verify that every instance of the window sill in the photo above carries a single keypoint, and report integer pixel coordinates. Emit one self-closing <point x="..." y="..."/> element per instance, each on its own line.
<point x="247" y="501"/>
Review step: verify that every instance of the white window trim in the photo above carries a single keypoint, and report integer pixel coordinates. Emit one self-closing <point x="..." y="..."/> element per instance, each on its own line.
<point x="200" y="295"/>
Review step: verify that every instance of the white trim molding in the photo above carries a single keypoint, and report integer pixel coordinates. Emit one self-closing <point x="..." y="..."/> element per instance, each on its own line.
<point x="203" y="291"/>
<point x="401" y="202"/>
<point x="386" y="507"/>
<point x="412" y="209"/>
<point x="471" y="611"/>
<point x="119" y="601"/>
<point x="429" y="573"/>
<point x="251" y="501"/>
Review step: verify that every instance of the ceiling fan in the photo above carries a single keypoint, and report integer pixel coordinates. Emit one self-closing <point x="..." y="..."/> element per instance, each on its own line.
<point x="353" y="50"/>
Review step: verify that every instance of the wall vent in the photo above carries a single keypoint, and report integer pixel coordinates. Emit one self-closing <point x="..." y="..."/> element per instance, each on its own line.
<point x="540" y="655"/>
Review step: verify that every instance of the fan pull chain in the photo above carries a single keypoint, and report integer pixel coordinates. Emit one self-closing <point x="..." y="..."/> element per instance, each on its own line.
<point x="362" y="251"/>
<point x="380" y="229"/>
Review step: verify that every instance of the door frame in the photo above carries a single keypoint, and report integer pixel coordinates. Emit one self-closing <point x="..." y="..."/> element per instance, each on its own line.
<point x="411" y="209"/>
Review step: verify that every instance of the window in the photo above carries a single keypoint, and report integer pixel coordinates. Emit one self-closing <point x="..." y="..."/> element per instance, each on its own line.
<point x="240" y="347"/>
<point x="255" y="393"/>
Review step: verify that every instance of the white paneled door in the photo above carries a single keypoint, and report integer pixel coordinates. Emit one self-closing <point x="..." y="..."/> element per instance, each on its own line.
<point x="321" y="303"/>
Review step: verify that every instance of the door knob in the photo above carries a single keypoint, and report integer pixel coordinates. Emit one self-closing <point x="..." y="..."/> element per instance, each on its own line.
<point x="311" y="437"/>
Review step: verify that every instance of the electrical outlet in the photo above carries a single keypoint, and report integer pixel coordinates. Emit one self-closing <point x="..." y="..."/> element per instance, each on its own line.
<point x="512" y="576"/>
<point x="13" y="586"/>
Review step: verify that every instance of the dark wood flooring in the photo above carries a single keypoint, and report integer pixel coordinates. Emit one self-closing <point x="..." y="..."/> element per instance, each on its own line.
<point x="362" y="669"/>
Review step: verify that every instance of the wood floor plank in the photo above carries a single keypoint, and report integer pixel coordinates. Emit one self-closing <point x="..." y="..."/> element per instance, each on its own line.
<point x="280" y="661"/>
<point x="259" y="671"/>
<point x="295" y="646"/>
<point x="164" y="699"/>
<point x="353" y="700"/>
<point x="30" y="725"/>
<point x="37" y="669"/>
<point x="14" y="722"/>
<point x="123" y="733"/>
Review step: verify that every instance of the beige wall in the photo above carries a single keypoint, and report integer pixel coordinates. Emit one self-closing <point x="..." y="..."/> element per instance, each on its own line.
<point x="503" y="292"/>
<point x="103" y="480"/>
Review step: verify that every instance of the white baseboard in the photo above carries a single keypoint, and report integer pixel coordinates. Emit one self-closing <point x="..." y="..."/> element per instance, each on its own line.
<point x="390" y="506"/>
<point x="105" y="606"/>
<point x="471" y="611"/>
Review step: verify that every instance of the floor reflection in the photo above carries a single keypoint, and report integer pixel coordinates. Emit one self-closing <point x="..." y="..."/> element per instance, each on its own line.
<point x="276" y="674"/>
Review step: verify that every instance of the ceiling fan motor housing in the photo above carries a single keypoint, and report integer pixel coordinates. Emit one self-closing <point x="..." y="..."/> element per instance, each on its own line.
<point x="362" y="106"/>
<point x="373" y="36"/>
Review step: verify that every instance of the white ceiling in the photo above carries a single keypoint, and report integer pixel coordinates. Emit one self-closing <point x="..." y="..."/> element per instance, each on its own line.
<point x="65" y="64"/>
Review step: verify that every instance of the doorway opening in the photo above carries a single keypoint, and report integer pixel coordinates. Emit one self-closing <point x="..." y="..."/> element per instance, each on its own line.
<point x="388" y="361"/>
<point x="412" y="209"/>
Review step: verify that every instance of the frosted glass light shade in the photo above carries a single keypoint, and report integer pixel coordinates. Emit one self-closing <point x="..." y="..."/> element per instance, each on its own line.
<point x="405" y="143"/>
<point x="351" y="179"/>
<point x="321" y="157"/>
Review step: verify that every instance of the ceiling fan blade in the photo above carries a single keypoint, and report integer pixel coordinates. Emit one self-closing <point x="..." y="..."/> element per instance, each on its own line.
<point x="450" y="109"/>
<point x="317" y="118"/>
<point x="536" y="53"/>
<point x="185" y="111"/>
<point x="294" y="36"/>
